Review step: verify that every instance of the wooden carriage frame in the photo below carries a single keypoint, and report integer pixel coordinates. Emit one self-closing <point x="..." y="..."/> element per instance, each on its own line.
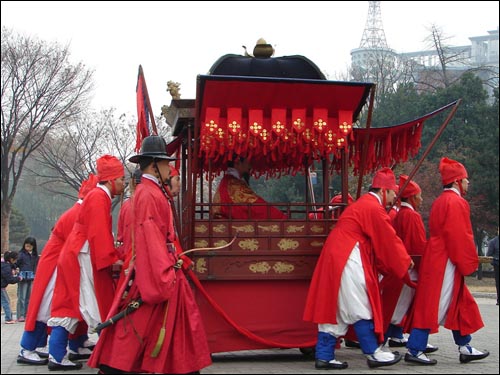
<point x="251" y="293"/>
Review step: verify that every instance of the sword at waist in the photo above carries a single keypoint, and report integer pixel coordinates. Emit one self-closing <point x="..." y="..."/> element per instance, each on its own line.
<point x="131" y="307"/>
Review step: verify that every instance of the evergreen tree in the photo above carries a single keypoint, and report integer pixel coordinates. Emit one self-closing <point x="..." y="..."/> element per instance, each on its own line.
<point x="18" y="229"/>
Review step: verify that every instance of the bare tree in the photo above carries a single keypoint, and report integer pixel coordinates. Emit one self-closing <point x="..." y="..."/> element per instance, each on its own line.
<point x="448" y="64"/>
<point x="67" y="157"/>
<point x="383" y="67"/>
<point x="441" y="65"/>
<point x="40" y="91"/>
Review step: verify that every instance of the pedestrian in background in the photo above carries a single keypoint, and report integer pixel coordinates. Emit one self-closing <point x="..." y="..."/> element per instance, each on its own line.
<point x="493" y="252"/>
<point x="9" y="276"/>
<point x="27" y="262"/>
<point x="442" y="297"/>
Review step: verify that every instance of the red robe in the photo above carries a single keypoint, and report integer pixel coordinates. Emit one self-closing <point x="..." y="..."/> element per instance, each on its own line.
<point x="247" y="204"/>
<point x="392" y="213"/>
<point x="168" y="301"/>
<point x="365" y="221"/>
<point x="410" y="228"/>
<point x="123" y="235"/>
<point x="48" y="261"/>
<point x="450" y="238"/>
<point x="94" y="224"/>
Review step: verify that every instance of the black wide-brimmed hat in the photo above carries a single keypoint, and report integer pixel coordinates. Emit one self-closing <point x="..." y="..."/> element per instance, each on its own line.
<point x="153" y="147"/>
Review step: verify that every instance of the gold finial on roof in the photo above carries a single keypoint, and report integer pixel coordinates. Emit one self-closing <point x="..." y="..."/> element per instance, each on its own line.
<point x="262" y="49"/>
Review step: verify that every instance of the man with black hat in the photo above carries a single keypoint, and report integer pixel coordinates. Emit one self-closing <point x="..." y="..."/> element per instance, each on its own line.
<point x="442" y="297"/>
<point x="345" y="289"/>
<point x="165" y="333"/>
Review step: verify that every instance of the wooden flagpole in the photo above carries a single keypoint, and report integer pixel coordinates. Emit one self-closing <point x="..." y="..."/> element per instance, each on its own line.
<point x="428" y="149"/>
<point x="365" y="143"/>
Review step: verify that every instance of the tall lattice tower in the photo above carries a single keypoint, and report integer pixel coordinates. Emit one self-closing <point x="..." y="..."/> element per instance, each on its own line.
<point x="374" y="61"/>
<point x="374" y="35"/>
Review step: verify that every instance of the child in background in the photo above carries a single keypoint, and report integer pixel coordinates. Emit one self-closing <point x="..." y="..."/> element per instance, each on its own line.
<point x="9" y="276"/>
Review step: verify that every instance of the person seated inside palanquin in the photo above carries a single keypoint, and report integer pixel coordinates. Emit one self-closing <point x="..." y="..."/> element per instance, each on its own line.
<point x="235" y="199"/>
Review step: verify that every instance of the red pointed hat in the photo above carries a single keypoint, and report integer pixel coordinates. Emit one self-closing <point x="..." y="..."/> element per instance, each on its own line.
<point x="411" y="189"/>
<point x="173" y="171"/>
<point x="451" y="170"/>
<point x="338" y="199"/>
<point x="109" y="168"/>
<point x="87" y="185"/>
<point x="385" y="179"/>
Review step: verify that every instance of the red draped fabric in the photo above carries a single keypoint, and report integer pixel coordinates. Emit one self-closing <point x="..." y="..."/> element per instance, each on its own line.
<point x="280" y="125"/>
<point x="283" y="126"/>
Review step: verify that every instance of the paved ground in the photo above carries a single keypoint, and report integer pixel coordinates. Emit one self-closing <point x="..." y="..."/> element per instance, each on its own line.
<point x="291" y="361"/>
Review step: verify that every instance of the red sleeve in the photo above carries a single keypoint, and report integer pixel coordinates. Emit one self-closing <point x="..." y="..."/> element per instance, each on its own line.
<point x="459" y="237"/>
<point x="122" y="231"/>
<point x="99" y="233"/>
<point x="410" y="228"/>
<point x="389" y="251"/>
<point x="155" y="275"/>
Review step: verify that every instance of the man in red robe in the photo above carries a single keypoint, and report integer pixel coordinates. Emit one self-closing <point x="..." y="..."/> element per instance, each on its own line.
<point x="442" y="298"/>
<point x="34" y="338"/>
<point x="165" y="334"/>
<point x="84" y="287"/>
<point x="396" y="295"/>
<point x="235" y="199"/>
<point x="124" y="228"/>
<point x="344" y="288"/>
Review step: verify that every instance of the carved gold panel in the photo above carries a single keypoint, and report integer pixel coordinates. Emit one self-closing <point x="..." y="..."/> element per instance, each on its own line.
<point x="220" y="243"/>
<point x="271" y="228"/>
<point x="317" y="229"/>
<point x="295" y="229"/>
<point x="248" y="228"/>
<point x="249" y="244"/>
<point x="201" y="265"/>
<point x="200" y="243"/>
<point x="283" y="267"/>
<point x="219" y="228"/>
<point x="260" y="267"/>
<point x="317" y="243"/>
<point x="200" y="228"/>
<point x="287" y="244"/>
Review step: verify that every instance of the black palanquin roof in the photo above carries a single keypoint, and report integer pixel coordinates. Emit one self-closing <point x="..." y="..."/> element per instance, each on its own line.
<point x="295" y="66"/>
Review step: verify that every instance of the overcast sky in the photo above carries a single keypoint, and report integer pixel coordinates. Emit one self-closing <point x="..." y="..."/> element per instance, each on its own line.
<point x="179" y="40"/>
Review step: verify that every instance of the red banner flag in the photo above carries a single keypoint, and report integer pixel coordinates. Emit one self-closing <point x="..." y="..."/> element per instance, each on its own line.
<point x="143" y="128"/>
